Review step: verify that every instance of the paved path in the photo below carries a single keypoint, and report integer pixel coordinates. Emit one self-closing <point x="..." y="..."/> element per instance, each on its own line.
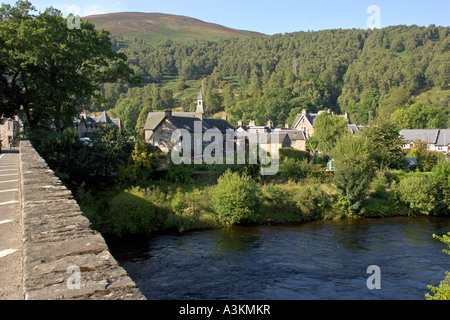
<point x="10" y="227"/>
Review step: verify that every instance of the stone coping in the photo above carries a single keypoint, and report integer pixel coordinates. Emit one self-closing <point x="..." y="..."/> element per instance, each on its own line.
<point x="63" y="258"/>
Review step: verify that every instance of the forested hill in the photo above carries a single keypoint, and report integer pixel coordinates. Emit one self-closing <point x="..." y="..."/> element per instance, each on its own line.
<point x="399" y="73"/>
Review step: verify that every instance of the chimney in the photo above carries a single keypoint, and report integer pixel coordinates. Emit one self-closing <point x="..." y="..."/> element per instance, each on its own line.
<point x="224" y="117"/>
<point x="270" y="123"/>
<point x="304" y="111"/>
<point x="240" y="123"/>
<point x="329" y="111"/>
<point x="252" y="123"/>
<point x="287" y="126"/>
<point x="346" y="116"/>
<point x="168" y="113"/>
<point x="84" y="114"/>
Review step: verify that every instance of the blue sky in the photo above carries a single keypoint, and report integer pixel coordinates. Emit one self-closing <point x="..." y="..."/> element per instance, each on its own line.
<point x="270" y="16"/>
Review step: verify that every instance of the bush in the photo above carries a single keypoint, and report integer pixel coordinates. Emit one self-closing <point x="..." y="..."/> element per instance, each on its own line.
<point x="379" y="185"/>
<point x="289" y="153"/>
<point x="178" y="202"/>
<point x="181" y="173"/>
<point x="312" y="201"/>
<point x="353" y="182"/>
<point x="442" y="170"/>
<point x="424" y="194"/>
<point x="276" y="196"/>
<point x="130" y="213"/>
<point x="443" y="291"/>
<point x="235" y="198"/>
<point x="300" y="169"/>
<point x="279" y="200"/>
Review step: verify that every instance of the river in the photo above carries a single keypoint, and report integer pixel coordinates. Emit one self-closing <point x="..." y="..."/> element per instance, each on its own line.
<point x="315" y="260"/>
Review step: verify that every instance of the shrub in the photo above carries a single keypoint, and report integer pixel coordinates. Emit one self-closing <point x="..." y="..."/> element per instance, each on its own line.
<point x="300" y="169"/>
<point x="312" y="201"/>
<point x="424" y="194"/>
<point x="443" y="291"/>
<point x="379" y="185"/>
<point x="290" y="153"/>
<point x="181" y="173"/>
<point x="140" y="166"/>
<point x="235" y="198"/>
<point x="442" y="170"/>
<point x="276" y="196"/>
<point x="130" y="213"/>
<point x="178" y="202"/>
<point x="279" y="199"/>
<point x="353" y="183"/>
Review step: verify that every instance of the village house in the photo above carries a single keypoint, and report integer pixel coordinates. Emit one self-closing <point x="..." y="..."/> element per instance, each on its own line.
<point x="306" y="121"/>
<point x="435" y="139"/>
<point x="287" y="137"/>
<point x="9" y="131"/>
<point x="160" y="126"/>
<point x="87" y="125"/>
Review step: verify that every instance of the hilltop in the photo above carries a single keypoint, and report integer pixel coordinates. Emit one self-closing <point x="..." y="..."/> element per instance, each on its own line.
<point x="156" y="27"/>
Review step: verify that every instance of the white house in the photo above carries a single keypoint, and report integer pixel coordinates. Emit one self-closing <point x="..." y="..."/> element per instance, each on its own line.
<point x="435" y="139"/>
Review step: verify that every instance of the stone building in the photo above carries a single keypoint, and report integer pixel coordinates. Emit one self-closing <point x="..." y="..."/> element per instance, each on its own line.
<point x="305" y="121"/>
<point x="287" y="137"/>
<point x="9" y="131"/>
<point x="160" y="126"/>
<point x="87" y="125"/>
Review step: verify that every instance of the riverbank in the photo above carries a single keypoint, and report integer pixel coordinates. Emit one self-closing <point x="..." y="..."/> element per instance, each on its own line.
<point x="167" y="207"/>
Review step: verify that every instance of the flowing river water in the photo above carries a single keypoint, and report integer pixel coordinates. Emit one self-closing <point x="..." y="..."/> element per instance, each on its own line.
<point x="315" y="260"/>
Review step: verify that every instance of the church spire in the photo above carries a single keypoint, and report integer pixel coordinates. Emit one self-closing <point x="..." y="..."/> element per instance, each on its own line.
<point x="200" y="102"/>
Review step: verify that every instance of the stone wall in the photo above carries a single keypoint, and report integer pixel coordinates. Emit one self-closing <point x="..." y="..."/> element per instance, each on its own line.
<point x="63" y="258"/>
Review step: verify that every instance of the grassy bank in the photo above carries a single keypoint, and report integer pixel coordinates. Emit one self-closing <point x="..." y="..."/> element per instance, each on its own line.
<point x="169" y="206"/>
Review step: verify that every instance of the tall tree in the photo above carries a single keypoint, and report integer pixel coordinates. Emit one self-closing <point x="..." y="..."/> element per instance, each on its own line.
<point x="328" y="130"/>
<point x="55" y="66"/>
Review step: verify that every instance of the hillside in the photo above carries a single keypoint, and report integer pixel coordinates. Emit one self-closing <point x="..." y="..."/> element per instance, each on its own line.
<point x="156" y="27"/>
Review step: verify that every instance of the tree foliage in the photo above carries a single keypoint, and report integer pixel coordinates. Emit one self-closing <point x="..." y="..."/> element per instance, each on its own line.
<point x="368" y="73"/>
<point x="235" y="198"/>
<point x="50" y="68"/>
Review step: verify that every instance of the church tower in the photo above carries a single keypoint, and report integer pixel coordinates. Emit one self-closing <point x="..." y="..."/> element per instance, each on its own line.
<point x="200" y="102"/>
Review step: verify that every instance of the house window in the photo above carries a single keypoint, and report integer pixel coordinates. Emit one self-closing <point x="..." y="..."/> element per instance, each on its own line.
<point x="304" y="129"/>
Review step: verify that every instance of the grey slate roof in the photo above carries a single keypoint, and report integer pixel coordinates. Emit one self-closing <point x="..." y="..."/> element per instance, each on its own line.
<point x="185" y="120"/>
<point x="444" y="137"/>
<point x="295" y="135"/>
<point x="153" y="120"/>
<point x="429" y="136"/>
<point x="312" y="118"/>
<point x="103" y="118"/>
